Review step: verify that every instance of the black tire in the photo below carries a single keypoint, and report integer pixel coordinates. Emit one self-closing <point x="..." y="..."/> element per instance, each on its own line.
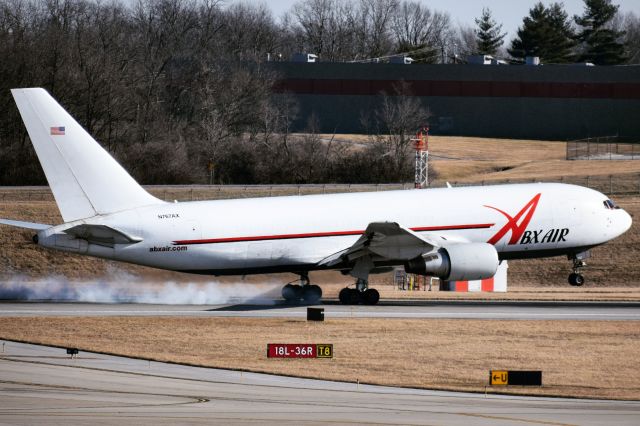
<point x="576" y="279"/>
<point x="355" y="297"/>
<point x="311" y="293"/>
<point x="370" y="296"/>
<point x="344" y="296"/>
<point x="291" y="293"/>
<point x="349" y="296"/>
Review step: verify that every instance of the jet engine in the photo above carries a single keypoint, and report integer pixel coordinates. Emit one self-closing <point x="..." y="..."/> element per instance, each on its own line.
<point x="464" y="261"/>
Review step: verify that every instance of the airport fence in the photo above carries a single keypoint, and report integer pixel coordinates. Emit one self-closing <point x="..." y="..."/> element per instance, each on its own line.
<point x="622" y="184"/>
<point x="627" y="184"/>
<point x="603" y="148"/>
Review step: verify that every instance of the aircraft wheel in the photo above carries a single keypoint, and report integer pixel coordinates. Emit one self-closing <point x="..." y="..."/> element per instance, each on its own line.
<point x="291" y="292"/>
<point x="354" y="296"/>
<point x="576" y="279"/>
<point x="344" y="296"/>
<point x="349" y="296"/>
<point x="311" y="293"/>
<point x="370" y="296"/>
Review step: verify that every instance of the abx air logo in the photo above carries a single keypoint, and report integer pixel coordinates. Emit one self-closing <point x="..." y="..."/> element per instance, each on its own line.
<point x="518" y="226"/>
<point x="517" y="229"/>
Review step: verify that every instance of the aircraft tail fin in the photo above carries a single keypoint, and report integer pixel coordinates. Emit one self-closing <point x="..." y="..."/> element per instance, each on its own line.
<point x="84" y="178"/>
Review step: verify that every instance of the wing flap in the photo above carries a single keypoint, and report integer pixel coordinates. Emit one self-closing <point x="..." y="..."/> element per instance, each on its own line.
<point x="387" y="240"/>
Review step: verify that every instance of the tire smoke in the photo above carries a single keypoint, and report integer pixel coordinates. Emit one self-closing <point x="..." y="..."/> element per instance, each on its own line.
<point x="122" y="287"/>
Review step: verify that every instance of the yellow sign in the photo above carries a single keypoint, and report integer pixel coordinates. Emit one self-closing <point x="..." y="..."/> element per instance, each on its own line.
<point x="498" y="377"/>
<point x="324" y="351"/>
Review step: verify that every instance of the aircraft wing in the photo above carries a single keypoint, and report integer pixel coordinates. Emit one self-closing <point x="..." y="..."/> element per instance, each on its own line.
<point x="384" y="240"/>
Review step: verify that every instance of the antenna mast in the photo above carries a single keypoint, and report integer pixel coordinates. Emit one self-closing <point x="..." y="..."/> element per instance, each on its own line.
<point x="421" y="142"/>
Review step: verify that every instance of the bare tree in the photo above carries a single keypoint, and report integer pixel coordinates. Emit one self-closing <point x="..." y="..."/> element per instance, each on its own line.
<point x="325" y="27"/>
<point x="249" y="31"/>
<point x="101" y="55"/>
<point x="209" y="27"/>
<point x="419" y="30"/>
<point x="171" y="85"/>
<point x="397" y="119"/>
<point x="373" y="26"/>
<point x="164" y="29"/>
<point x="231" y="101"/>
<point x="631" y="25"/>
<point x="465" y="40"/>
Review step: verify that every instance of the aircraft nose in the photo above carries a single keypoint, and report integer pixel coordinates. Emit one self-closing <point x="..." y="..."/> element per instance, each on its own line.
<point x="624" y="221"/>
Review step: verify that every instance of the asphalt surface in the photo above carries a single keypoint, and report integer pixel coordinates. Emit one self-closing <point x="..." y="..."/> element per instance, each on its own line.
<point x="624" y="311"/>
<point x="41" y="385"/>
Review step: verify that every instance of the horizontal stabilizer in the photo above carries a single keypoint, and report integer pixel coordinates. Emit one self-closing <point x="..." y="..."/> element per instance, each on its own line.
<point x="26" y="225"/>
<point x="102" y="235"/>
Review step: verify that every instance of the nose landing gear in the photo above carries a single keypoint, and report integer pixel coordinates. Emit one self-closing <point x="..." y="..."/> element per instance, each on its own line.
<point x="576" y="278"/>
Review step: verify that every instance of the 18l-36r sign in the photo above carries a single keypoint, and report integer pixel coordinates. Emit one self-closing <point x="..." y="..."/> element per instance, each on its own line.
<point x="299" y="350"/>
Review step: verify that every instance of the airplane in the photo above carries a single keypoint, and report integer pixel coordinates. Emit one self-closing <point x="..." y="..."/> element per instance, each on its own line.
<point x="454" y="233"/>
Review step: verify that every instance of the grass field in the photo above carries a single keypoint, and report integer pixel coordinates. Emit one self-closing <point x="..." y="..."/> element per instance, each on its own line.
<point x="472" y="160"/>
<point x="595" y="359"/>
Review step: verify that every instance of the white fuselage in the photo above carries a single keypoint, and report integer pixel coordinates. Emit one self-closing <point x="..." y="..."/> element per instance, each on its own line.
<point x="244" y="236"/>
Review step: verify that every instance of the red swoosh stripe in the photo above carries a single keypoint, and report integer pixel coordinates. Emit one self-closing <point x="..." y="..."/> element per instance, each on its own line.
<point x="323" y="234"/>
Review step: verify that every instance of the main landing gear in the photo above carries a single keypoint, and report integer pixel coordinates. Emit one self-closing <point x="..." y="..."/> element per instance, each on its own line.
<point x="308" y="293"/>
<point x="576" y="278"/>
<point x="361" y="294"/>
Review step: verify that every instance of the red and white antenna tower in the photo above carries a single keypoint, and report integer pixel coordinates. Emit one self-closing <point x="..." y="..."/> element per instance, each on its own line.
<point x="422" y="158"/>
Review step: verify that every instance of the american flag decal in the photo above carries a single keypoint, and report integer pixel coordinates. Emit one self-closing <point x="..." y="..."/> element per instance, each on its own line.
<point x="57" y="131"/>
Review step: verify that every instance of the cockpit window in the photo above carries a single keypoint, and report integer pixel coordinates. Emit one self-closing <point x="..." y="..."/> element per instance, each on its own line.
<point x="609" y="204"/>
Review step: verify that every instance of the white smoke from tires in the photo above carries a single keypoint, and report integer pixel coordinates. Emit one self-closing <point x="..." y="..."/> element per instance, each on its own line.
<point x="122" y="287"/>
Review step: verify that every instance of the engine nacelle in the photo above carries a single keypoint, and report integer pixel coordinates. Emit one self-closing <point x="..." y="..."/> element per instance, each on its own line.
<point x="464" y="261"/>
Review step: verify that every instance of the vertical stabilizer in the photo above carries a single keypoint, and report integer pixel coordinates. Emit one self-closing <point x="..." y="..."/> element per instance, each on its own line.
<point x="84" y="178"/>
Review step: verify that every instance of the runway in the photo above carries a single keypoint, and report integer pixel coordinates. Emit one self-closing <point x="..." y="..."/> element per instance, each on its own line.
<point x="40" y="385"/>
<point x="514" y="310"/>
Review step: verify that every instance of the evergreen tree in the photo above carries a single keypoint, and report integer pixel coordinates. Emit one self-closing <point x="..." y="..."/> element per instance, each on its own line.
<point x="546" y="33"/>
<point x="488" y="35"/>
<point x="599" y="39"/>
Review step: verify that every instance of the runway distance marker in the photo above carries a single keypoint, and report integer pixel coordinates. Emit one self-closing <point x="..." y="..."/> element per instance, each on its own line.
<point x="324" y="351"/>
<point x="299" y="350"/>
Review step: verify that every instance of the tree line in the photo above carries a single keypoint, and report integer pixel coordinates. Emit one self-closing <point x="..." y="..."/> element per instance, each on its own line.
<point x="179" y="90"/>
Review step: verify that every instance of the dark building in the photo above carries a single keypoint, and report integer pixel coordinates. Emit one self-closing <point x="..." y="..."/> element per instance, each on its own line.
<point x="552" y="102"/>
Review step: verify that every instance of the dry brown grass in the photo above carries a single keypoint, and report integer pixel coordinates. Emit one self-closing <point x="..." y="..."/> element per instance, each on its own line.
<point x="596" y="359"/>
<point x="474" y="159"/>
<point x="482" y="159"/>
<point x="473" y="148"/>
